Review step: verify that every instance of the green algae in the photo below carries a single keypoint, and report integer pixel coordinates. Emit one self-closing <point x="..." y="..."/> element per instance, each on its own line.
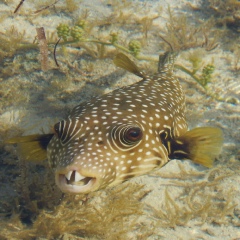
<point x="203" y="201"/>
<point x="107" y="218"/>
<point x="84" y="33"/>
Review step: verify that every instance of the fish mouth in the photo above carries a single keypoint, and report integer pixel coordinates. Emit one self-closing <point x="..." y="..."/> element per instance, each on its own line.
<point x="73" y="182"/>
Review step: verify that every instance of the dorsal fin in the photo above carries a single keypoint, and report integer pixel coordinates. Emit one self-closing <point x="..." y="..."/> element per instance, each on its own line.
<point x="123" y="61"/>
<point x="166" y="62"/>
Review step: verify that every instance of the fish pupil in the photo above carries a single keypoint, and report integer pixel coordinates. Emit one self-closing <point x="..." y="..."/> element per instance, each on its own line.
<point x="58" y="129"/>
<point x="133" y="134"/>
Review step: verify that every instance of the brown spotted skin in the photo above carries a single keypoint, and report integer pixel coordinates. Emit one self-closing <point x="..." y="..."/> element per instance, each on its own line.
<point x="90" y="140"/>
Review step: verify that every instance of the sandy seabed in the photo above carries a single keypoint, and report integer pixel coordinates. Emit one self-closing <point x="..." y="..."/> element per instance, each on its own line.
<point x="184" y="201"/>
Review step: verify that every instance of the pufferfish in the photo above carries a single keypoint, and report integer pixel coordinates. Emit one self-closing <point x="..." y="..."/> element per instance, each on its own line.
<point x="123" y="134"/>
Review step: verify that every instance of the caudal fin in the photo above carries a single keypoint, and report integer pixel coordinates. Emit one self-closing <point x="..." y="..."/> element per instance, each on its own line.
<point x="166" y="62"/>
<point x="32" y="147"/>
<point x="201" y="145"/>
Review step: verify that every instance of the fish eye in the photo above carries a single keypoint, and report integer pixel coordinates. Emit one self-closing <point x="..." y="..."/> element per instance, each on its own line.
<point x="133" y="134"/>
<point x="58" y="129"/>
<point x="126" y="136"/>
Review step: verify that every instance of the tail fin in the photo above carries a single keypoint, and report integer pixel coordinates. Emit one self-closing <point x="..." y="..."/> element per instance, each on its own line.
<point x="32" y="147"/>
<point x="166" y="62"/>
<point x="201" y="145"/>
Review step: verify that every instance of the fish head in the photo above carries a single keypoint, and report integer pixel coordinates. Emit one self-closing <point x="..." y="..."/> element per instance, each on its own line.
<point x="76" y="153"/>
<point x="87" y="155"/>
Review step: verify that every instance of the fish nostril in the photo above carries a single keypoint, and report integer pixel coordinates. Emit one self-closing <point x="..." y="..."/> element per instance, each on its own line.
<point x="100" y="143"/>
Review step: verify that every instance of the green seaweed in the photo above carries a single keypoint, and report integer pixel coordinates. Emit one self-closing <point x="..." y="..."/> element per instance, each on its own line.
<point x="83" y="33"/>
<point x="10" y="42"/>
<point x="200" y="199"/>
<point x="225" y="12"/>
<point x="112" y="217"/>
<point x="182" y="36"/>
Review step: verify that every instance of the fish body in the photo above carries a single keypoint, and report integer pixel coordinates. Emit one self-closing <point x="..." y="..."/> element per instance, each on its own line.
<point x="125" y="133"/>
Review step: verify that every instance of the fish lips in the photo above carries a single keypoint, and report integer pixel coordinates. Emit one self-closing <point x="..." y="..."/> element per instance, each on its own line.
<point x="72" y="181"/>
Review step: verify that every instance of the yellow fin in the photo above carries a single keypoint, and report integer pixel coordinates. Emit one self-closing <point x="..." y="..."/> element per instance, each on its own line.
<point x="201" y="145"/>
<point x="32" y="147"/>
<point x="123" y="61"/>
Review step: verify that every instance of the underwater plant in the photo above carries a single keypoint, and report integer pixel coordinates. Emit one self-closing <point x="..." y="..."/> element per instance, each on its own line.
<point x="183" y="35"/>
<point x="225" y="12"/>
<point x="102" y="215"/>
<point x="83" y="33"/>
<point x="197" y="200"/>
<point x="10" y="42"/>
